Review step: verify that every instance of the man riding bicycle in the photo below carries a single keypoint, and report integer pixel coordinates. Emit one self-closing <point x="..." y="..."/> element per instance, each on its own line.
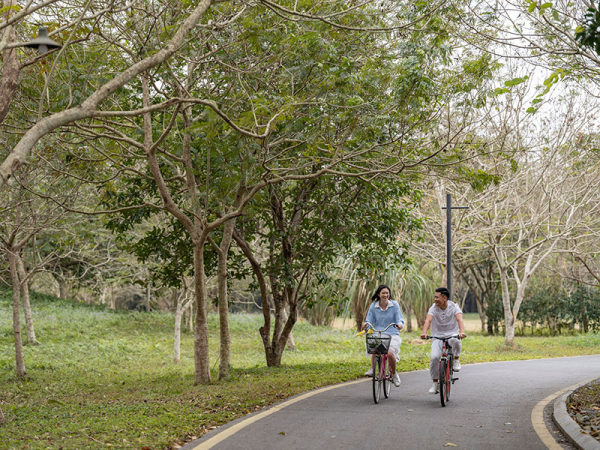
<point x="446" y="319"/>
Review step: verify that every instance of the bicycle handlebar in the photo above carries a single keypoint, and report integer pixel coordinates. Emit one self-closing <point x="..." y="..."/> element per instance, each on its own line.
<point x="443" y="338"/>
<point x="380" y="331"/>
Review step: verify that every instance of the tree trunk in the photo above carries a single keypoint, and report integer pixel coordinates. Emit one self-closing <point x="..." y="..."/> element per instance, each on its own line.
<point x="179" y="310"/>
<point x="284" y="318"/>
<point x="408" y="321"/>
<point x="19" y="355"/>
<point x="183" y="305"/>
<point x="282" y="330"/>
<point x="148" y="297"/>
<point x="282" y="327"/>
<point x="478" y="296"/>
<point x="292" y="317"/>
<point x="509" y="319"/>
<point x="201" y="355"/>
<point x="509" y="334"/>
<point x="464" y="299"/>
<point x="10" y="65"/>
<point x="278" y="303"/>
<point x="519" y="297"/>
<point x="585" y="319"/>
<point x="358" y="304"/>
<point x="25" y="303"/>
<point x="103" y="295"/>
<point x="63" y="288"/>
<point x="552" y="324"/>
<point x="190" y="317"/>
<point x="175" y="296"/>
<point x="480" y="311"/>
<point x="177" y="334"/>
<point x="265" y="330"/>
<point x="225" y="339"/>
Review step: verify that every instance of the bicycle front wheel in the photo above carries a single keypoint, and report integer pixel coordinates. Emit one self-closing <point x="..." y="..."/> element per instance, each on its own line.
<point x="442" y="381"/>
<point x="377" y="379"/>
<point x="449" y="375"/>
<point x="387" y="381"/>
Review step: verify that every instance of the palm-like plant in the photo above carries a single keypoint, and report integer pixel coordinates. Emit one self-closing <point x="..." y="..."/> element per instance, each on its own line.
<point x="345" y="291"/>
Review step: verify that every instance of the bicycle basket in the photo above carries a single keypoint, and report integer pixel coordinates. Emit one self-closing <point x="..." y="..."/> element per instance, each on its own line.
<point x="378" y="344"/>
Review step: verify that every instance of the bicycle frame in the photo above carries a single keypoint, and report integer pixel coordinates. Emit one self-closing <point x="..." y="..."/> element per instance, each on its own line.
<point x="445" y="368"/>
<point x="381" y="376"/>
<point x="381" y="362"/>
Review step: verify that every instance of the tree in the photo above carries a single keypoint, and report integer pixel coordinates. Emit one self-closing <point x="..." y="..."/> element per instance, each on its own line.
<point x="277" y="137"/>
<point x="479" y="274"/>
<point x="24" y="217"/>
<point x="303" y="226"/>
<point x="550" y="196"/>
<point x="89" y="106"/>
<point x="557" y="36"/>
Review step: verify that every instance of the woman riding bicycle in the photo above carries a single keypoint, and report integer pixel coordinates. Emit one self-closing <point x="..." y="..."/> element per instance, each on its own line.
<point x="383" y="312"/>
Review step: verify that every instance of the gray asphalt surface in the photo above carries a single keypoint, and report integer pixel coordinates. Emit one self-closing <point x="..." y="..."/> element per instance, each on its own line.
<point x="490" y="408"/>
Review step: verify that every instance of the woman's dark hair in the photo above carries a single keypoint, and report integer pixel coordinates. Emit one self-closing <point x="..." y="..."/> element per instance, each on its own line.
<point x="443" y="291"/>
<point x="379" y="289"/>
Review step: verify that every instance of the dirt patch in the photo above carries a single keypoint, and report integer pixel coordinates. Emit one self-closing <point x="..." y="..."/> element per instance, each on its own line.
<point x="584" y="408"/>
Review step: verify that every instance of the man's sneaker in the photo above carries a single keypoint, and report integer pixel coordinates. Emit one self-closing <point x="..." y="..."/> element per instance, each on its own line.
<point x="396" y="379"/>
<point x="434" y="388"/>
<point x="456" y="366"/>
<point x="369" y="373"/>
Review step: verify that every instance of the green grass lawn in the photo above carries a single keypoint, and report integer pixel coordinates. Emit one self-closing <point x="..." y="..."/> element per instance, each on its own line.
<point x="102" y="378"/>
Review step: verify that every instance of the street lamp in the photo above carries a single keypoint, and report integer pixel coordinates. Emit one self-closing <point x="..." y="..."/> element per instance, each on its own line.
<point x="43" y="43"/>
<point x="449" y="209"/>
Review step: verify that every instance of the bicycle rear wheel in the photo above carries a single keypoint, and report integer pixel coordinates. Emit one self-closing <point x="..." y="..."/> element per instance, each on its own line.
<point x="377" y="379"/>
<point x="442" y="380"/>
<point x="387" y="381"/>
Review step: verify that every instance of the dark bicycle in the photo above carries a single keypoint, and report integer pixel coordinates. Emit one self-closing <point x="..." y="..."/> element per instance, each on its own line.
<point x="445" y="368"/>
<point x="378" y="344"/>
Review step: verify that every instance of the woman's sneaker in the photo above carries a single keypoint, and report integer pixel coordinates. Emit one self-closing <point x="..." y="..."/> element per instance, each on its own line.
<point x="396" y="380"/>
<point x="369" y="373"/>
<point x="434" y="388"/>
<point x="456" y="366"/>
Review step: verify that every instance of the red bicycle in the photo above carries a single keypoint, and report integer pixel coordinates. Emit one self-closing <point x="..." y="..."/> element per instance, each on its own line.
<point x="445" y="368"/>
<point x="378" y="345"/>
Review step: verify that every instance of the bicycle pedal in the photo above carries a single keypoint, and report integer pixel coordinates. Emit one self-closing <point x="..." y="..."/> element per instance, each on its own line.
<point x="454" y="379"/>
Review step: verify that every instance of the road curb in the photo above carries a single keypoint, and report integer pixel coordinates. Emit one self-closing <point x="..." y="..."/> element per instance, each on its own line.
<point x="570" y="428"/>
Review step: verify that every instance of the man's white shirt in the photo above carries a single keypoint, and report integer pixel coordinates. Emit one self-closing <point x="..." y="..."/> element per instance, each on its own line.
<point x="444" y="321"/>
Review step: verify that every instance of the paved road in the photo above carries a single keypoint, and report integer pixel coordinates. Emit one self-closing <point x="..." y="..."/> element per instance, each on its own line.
<point x="490" y="408"/>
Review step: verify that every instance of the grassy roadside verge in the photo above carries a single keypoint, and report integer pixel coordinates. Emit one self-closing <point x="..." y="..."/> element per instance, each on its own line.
<point x="104" y="379"/>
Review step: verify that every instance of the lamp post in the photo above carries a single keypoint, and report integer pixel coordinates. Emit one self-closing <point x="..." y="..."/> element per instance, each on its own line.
<point x="449" y="209"/>
<point x="42" y="43"/>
